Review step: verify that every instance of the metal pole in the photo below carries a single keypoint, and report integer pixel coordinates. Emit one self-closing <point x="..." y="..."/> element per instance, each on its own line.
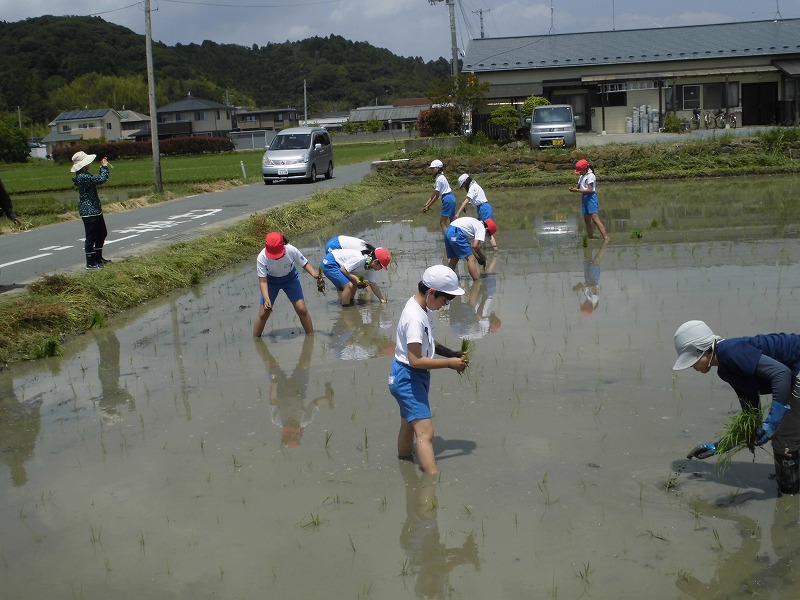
<point x="305" y="104"/>
<point x="151" y="89"/>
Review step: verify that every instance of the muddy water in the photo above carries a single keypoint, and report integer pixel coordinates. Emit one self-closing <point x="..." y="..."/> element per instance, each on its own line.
<point x="173" y="456"/>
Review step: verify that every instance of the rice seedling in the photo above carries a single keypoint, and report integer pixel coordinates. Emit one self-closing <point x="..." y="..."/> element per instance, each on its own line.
<point x="352" y="544"/>
<point x="328" y="435"/>
<point x="313" y="522"/>
<point x="738" y="433"/>
<point x="584" y="574"/>
<point x="717" y="539"/>
<point x="107" y="564"/>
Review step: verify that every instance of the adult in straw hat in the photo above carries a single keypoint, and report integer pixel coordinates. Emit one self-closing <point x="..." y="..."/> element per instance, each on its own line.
<point x="89" y="207"/>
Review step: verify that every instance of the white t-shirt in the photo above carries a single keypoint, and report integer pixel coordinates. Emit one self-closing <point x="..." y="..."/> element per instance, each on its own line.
<point x="441" y="185"/>
<point x="282" y="266"/>
<point x="472" y="228"/>
<point x="476" y="195"/>
<point x="354" y="262"/>
<point x="414" y="327"/>
<point x="352" y="243"/>
<point x="587" y="181"/>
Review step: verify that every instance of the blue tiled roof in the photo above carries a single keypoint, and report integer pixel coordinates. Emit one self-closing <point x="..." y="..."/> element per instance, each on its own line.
<point x="89" y="113"/>
<point x="695" y="42"/>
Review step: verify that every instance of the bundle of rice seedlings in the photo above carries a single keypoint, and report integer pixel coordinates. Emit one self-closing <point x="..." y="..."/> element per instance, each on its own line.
<point x="467" y="346"/>
<point x="738" y="433"/>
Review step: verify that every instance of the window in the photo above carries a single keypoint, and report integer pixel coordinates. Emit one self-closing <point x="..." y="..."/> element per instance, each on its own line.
<point x="108" y="125"/>
<point x="199" y="116"/>
<point x="690" y="96"/>
<point x="65" y="128"/>
<point x="278" y="118"/>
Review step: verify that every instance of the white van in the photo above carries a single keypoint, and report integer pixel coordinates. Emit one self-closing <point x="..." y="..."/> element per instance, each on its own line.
<point x="298" y="153"/>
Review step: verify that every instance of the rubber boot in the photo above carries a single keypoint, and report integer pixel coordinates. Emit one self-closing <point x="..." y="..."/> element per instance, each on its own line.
<point x="787" y="472"/>
<point x="99" y="254"/>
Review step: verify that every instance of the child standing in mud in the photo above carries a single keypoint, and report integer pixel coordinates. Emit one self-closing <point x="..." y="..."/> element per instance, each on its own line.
<point x="587" y="186"/>
<point x="441" y="189"/>
<point x="277" y="266"/>
<point x="410" y="377"/>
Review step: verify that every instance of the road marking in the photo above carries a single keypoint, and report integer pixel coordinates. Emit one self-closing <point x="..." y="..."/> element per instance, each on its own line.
<point x="55" y="248"/>
<point x="172" y="221"/>
<point x="14" y="262"/>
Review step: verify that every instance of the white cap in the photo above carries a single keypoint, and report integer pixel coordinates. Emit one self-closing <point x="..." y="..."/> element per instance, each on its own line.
<point x="692" y="340"/>
<point x="442" y="279"/>
<point x="462" y="178"/>
<point x="436" y="164"/>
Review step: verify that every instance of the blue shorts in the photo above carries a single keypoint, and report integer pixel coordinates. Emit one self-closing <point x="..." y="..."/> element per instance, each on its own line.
<point x="449" y="205"/>
<point x="410" y="388"/>
<point x="332" y="244"/>
<point x="456" y="243"/>
<point x="288" y="283"/>
<point x="589" y="204"/>
<point x="485" y="211"/>
<point x="333" y="271"/>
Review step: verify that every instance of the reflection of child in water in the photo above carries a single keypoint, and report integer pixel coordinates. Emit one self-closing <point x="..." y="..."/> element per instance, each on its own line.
<point x="429" y="559"/>
<point x="472" y="316"/>
<point x="362" y="333"/>
<point x="589" y="289"/>
<point x="287" y="395"/>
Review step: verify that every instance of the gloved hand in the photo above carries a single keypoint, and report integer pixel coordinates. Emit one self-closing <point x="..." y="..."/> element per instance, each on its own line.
<point x="763" y="434"/>
<point x="362" y="284"/>
<point x="321" y="283"/>
<point x="482" y="262"/>
<point x="702" y="451"/>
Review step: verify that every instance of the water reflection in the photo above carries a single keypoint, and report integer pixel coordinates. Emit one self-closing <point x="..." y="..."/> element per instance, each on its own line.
<point x="112" y="395"/>
<point x="472" y="315"/>
<point x="589" y="289"/>
<point x="19" y="427"/>
<point x="288" y="394"/>
<point x="362" y="332"/>
<point x="428" y="559"/>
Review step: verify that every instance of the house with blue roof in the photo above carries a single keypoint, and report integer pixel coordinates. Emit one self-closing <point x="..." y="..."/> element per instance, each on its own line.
<point x="750" y="69"/>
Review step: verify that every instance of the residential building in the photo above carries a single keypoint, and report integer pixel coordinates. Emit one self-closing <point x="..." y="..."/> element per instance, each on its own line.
<point x="193" y="116"/>
<point x="71" y="127"/>
<point x="270" y="120"/>
<point x="132" y="123"/>
<point x="750" y="69"/>
<point x="402" y="117"/>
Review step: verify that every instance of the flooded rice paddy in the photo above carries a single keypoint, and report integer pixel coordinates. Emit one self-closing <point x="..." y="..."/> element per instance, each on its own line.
<point x="174" y="456"/>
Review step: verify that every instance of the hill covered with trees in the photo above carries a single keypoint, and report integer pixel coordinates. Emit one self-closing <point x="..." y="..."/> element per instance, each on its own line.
<point x="51" y="64"/>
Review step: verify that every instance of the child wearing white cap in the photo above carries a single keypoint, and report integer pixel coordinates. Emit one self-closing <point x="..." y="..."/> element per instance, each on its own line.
<point x="462" y="239"/>
<point x="761" y="364"/>
<point x="477" y="197"/>
<point x="441" y="189"/>
<point x="409" y="379"/>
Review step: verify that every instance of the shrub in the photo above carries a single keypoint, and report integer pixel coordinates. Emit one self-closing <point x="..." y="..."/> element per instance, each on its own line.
<point x="672" y="123"/>
<point x="506" y="118"/>
<point x="438" y="121"/>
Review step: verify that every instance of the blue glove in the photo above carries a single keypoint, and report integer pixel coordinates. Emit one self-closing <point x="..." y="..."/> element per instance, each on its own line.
<point x="764" y="433"/>
<point x="776" y="413"/>
<point x="702" y="451"/>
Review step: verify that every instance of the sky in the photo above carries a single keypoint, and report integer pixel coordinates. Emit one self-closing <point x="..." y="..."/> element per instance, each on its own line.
<point x="412" y="28"/>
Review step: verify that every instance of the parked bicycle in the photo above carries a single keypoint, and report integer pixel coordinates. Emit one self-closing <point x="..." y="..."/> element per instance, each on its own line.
<point x="719" y="118"/>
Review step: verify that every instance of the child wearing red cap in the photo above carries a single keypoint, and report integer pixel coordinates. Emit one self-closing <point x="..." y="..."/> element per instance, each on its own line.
<point x="587" y="185"/>
<point x="277" y="267"/>
<point x="344" y="267"/>
<point x="463" y="240"/>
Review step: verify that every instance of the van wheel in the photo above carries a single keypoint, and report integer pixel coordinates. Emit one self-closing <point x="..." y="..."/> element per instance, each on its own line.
<point x="329" y="172"/>
<point x="313" y="177"/>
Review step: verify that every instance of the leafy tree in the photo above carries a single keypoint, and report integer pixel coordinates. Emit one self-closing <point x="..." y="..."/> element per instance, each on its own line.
<point x="13" y="144"/>
<point x="531" y="102"/>
<point x="464" y="92"/>
<point x="506" y="118"/>
<point x="350" y="127"/>
<point x="373" y="125"/>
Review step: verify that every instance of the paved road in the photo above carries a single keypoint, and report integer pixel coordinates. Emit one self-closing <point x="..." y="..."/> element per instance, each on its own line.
<point x="27" y="255"/>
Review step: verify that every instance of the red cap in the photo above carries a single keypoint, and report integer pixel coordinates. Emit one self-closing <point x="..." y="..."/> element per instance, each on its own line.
<point x="491" y="226"/>
<point x="383" y="257"/>
<point x="581" y="165"/>
<point x="275" y="245"/>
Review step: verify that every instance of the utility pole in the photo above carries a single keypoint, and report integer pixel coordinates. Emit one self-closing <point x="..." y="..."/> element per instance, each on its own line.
<point x="480" y="12"/>
<point x="151" y="89"/>
<point x="453" y="42"/>
<point x="305" y="104"/>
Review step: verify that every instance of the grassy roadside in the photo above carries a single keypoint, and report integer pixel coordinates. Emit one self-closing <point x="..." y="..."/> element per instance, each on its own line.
<point x="37" y="321"/>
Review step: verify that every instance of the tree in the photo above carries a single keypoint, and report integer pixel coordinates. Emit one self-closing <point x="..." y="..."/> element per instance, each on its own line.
<point x="530" y="103"/>
<point x="13" y="144"/>
<point x="506" y="118"/>
<point x="373" y="125"/>
<point x="464" y="92"/>
<point x="437" y="121"/>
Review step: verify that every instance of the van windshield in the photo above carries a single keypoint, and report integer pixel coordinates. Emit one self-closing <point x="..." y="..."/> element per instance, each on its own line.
<point x="557" y="114"/>
<point x="290" y="142"/>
